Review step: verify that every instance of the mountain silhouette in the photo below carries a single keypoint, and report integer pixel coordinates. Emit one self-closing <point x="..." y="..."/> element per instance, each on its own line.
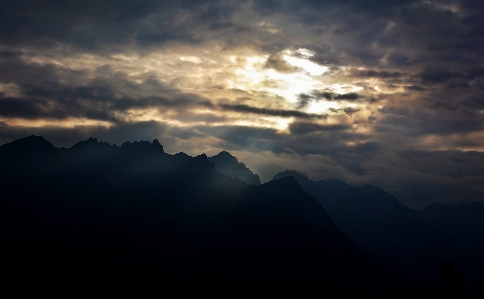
<point x="384" y="228"/>
<point x="136" y="218"/>
<point x="407" y="241"/>
<point x="228" y="165"/>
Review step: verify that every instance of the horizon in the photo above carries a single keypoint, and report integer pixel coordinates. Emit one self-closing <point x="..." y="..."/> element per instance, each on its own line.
<point x="298" y="172"/>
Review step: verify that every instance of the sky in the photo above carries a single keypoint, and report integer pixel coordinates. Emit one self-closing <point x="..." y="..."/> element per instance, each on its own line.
<point x="388" y="93"/>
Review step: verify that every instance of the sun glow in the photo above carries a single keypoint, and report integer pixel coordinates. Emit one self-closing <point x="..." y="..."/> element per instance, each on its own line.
<point x="312" y="68"/>
<point x="289" y="85"/>
<point x="279" y="123"/>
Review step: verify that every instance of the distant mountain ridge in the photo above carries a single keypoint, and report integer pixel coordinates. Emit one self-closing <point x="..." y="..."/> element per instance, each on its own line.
<point x="228" y="165"/>
<point x="139" y="186"/>
<point x="102" y="216"/>
<point x="405" y="240"/>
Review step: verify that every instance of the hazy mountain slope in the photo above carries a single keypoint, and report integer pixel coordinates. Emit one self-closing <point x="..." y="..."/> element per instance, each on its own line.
<point x="98" y="215"/>
<point x="385" y="229"/>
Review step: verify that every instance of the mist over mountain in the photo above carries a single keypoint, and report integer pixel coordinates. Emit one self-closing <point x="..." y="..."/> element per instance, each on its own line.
<point x="404" y="240"/>
<point x="134" y="217"/>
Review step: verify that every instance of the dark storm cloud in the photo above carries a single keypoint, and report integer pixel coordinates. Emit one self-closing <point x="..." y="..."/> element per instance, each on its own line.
<point x="156" y="39"/>
<point x="29" y="109"/>
<point x="109" y="25"/>
<point x="15" y="70"/>
<point x="53" y="92"/>
<point x="299" y="128"/>
<point x="415" y="88"/>
<point x="303" y="100"/>
<point x="391" y="33"/>
<point x="476" y="102"/>
<point x="421" y="122"/>
<point x="377" y="74"/>
<point x="347" y="96"/>
<point x="178" y="101"/>
<point x="239" y="137"/>
<point x="449" y="79"/>
<point x="9" y="54"/>
<point x="420" y="27"/>
<point x="96" y="99"/>
<point x="96" y="108"/>
<point x="316" y="95"/>
<point x="278" y="63"/>
<point x="271" y="112"/>
<point x="99" y="24"/>
<point x="348" y="110"/>
<point x="330" y="96"/>
<point x="42" y="109"/>
<point x="24" y="21"/>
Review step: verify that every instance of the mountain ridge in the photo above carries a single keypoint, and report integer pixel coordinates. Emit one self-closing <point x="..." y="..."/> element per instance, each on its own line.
<point x="105" y="216"/>
<point x="130" y="177"/>
<point x="407" y="241"/>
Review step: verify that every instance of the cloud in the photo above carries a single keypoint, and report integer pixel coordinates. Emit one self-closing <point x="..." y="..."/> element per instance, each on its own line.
<point x="377" y="74"/>
<point x="95" y="25"/>
<point x="271" y="112"/>
<point x="347" y="96"/>
<point x="277" y="62"/>
<point x="300" y="128"/>
<point x="316" y="96"/>
<point x="348" y="110"/>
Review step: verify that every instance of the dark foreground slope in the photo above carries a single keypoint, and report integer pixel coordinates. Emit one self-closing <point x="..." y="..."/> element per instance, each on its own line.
<point x="134" y="217"/>
<point x="407" y="241"/>
<point x="465" y="223"/>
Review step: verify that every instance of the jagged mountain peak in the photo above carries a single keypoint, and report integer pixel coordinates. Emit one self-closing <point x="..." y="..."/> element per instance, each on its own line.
<point x="226" y="155"/>
<point x="89" y="203"/>
<point x="143" y="145"/>
<point x="228" y="165"/>
<point x="92" y="142"/>
<point x="30" y="144"/>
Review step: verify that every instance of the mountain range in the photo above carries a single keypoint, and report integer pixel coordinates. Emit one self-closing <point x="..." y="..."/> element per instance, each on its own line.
<point x="135" y="217"/>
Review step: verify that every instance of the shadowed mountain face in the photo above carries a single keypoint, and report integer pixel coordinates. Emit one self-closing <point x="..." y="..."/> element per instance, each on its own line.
<point x="228" y="165"/>
<point x="405" y="240"/>
<point x="98" y="215"/>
